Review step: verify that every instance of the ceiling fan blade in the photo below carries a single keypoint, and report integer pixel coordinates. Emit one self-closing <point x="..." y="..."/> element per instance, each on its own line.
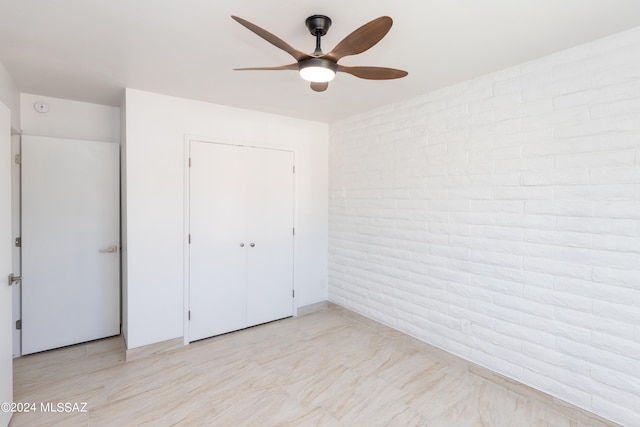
<point x="361" y="39"/>
<point x="319" y="87"/>
<point x="273" y="39"/>
<point x="293" y="66"/>
<point x="373" y="73"/>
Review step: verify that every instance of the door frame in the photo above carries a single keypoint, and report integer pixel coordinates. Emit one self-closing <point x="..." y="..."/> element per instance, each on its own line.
<point x="187" y="226"/>
<point x="16" y="219"/>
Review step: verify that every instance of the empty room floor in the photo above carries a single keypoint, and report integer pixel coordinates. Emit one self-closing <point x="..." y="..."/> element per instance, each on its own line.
<point x="330" y="367"/>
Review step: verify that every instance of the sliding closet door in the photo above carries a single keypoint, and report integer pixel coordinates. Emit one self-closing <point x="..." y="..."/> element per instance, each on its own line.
<point x="218" y="294"/>
<point x="270" y="229"/>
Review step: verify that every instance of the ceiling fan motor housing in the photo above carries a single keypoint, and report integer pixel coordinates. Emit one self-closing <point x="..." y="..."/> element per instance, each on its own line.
<point x="318" y="62"/>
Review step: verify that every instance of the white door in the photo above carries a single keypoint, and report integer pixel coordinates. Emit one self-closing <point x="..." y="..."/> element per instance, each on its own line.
<point x="241" y="227"/>
<point x="270" y="231"/>
<point x="6" y="354"/>
<point x="70" y="242"/>
<point x="217" y="291"/>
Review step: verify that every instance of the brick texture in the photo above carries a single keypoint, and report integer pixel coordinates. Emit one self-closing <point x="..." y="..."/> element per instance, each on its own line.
<point x="499" y="219"/>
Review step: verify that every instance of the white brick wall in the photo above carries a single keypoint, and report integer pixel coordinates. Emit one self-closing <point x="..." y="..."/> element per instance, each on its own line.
<point x="499" y="219"/>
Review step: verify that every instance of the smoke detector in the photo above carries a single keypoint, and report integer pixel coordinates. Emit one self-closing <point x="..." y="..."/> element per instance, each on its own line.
<point x="41" y="107"/>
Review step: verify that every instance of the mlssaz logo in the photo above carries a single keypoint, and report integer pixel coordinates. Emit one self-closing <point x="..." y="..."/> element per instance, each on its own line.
<point x="63" y="407"/>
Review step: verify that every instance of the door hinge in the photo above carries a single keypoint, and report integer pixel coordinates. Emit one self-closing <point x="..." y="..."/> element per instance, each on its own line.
<point x="189" y="238"/>
<point x="19" y="324"/>
<point x="13" y="279"/>
<point x="294" y="169"/>
<point x="189" y="315"/>
<point x="18" y="159"/>
<point x="294" y="231"/>
<point x="293" y="293"/>
<point x="189" y="161"/>
<point x="18" y="242"/>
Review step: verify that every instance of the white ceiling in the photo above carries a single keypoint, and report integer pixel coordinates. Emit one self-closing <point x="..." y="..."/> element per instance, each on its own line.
<point x="91" y="50"/>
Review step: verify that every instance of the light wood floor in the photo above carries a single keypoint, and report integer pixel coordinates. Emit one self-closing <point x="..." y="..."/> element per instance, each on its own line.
<point x="330" y="367"/>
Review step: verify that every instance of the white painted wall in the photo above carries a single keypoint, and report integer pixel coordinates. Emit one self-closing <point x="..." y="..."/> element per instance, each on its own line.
<point x="6" y="329"/>
<point x="155" y="137"/>
<point x="499" y="219"/>
<point x="70" y="119"/>
<point x="10" y="96"/>
<point x="123" y="217"/>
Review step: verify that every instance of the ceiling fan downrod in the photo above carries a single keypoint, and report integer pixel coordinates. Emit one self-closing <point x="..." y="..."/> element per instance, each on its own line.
<point x="318" y="26"/>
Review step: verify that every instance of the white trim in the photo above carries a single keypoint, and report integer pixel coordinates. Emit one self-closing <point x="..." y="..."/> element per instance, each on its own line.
<point x="185" y="243"/>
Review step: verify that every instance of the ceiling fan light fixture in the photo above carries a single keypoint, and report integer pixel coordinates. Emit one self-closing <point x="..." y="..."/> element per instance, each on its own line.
<point x="317" y="70"/>
<point x="317" y="74"/>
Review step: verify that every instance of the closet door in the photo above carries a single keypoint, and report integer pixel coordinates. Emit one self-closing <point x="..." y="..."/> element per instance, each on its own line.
<point x="241" y="228"/>
<point x="217" y="299"/>
<point x="270" y="234"/>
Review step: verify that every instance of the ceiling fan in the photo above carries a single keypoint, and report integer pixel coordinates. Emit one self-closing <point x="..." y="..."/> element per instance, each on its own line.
<point x="320" y="68"/>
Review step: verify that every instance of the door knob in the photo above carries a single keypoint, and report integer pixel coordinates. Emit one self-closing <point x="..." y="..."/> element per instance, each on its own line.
<point x="242" y="245"/>
<point x="252" y="244"/>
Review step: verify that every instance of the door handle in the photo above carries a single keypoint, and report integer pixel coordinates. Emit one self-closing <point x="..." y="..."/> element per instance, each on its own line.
<point x="242" y="245"/>
<point x="252" y="244"/>
<point x="109" y="250"/>
<point x="13" y="279"/>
